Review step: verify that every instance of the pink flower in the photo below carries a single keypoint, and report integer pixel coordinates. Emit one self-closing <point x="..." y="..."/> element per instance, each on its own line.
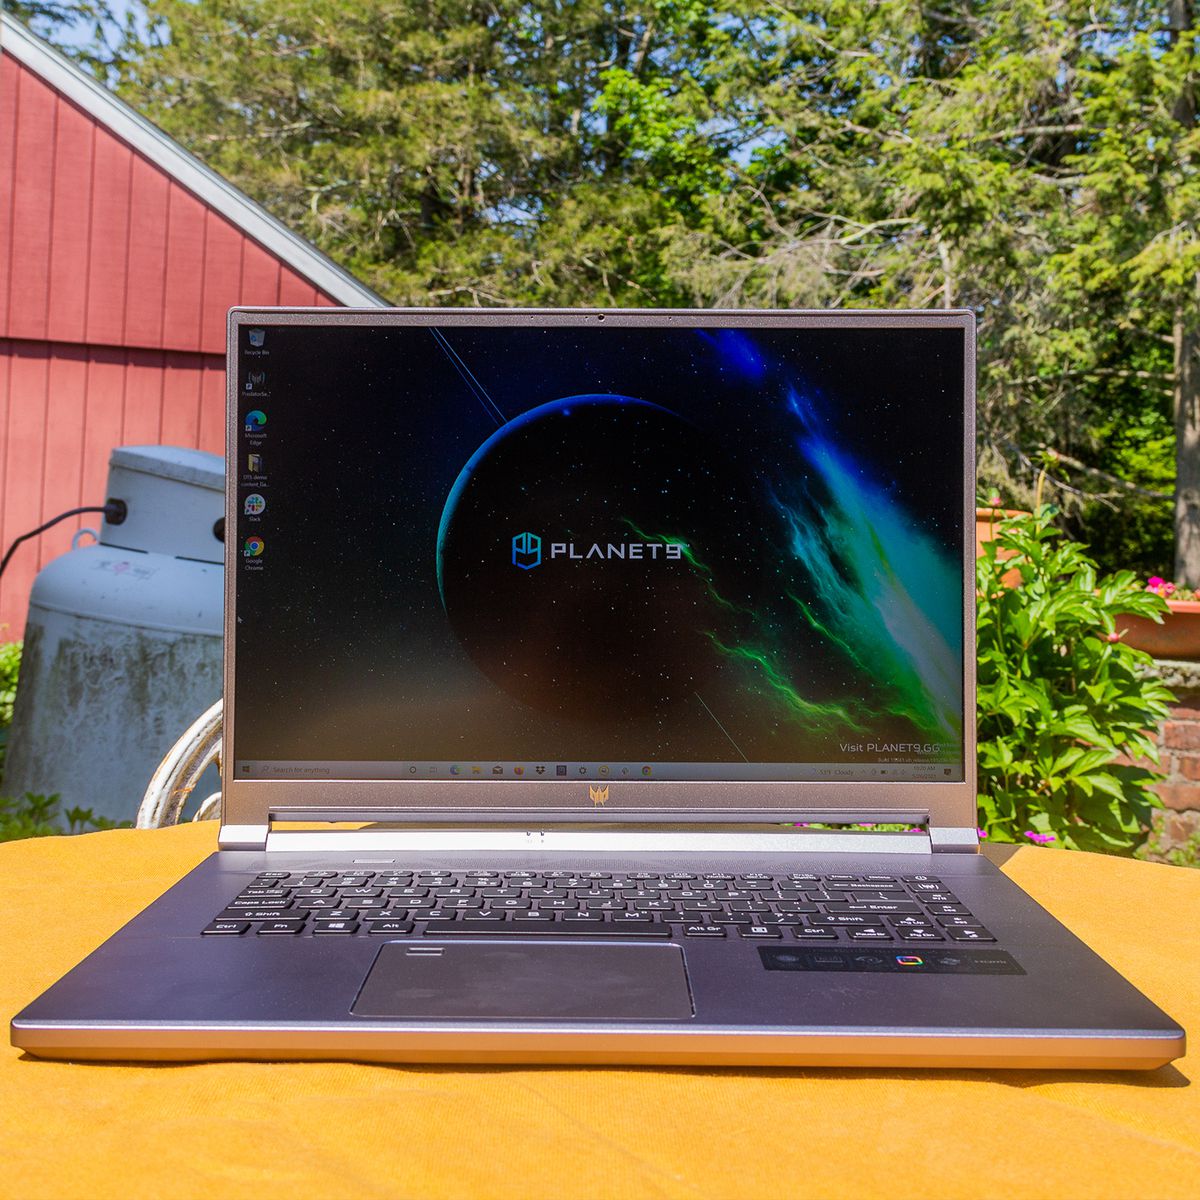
<point x="1154" y="583"/>
<point x="981" y="832"/>
<point x="1167" y="589"/>
<point x="1040" y="839"/>
<point x="1113" y="637"/>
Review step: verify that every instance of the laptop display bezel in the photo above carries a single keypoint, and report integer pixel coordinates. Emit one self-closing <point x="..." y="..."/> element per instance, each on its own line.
<point x="514" y="801"/>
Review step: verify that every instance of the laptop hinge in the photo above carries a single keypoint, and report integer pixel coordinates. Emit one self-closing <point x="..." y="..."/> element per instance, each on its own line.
<point x="243" y="837"/>
<point x="953" y="839"/>
<point x="938" y="839"/>
<point x="577" y="839"/>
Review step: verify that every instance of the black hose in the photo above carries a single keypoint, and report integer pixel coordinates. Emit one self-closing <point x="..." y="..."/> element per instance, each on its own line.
<point x="114" y="512"/>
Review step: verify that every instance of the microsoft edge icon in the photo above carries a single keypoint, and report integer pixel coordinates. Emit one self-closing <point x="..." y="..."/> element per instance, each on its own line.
<point x="527" y="551"/>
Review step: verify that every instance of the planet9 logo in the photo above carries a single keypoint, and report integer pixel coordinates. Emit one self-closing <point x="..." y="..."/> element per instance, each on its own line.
<point x="606" y="627"/>
<point x="526" y="551"/>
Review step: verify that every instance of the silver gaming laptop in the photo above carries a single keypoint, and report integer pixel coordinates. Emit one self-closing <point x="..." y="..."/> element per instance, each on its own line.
<point x="567" y="655"/>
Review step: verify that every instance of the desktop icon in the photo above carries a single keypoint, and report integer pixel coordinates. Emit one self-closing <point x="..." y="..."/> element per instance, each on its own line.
<point x="255" y="381"/>
<point x="456" y="769"/>
<point x="561" y="769"/>
<point x="645" y="770"/>
<point x="255" y="420"/>
<point x="257" y="337"/>
<point x="540" y="769"/>
<point x="604" y="770"/>
<point x="497" y="770"/>
<point x="254" y="464"/>
<point x="254" y="547"/>
<point x="255" y="505"/>
<point x="518" y="770"/>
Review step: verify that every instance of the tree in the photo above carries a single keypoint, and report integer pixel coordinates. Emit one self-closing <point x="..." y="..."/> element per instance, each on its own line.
<point x="1185" y="332"/>
<point x="450" y="151"/>
<point x="85" y="29"/>
<point x="1134" y="247"/>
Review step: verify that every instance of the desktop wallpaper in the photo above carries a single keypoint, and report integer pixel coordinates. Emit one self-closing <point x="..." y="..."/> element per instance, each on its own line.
<point x="664" y="545"/>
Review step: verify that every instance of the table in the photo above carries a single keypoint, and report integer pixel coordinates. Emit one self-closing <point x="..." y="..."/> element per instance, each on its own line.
<point x="354" y="1132"/>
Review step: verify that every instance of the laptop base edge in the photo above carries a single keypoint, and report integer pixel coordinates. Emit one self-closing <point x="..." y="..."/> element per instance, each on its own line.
<point x="1085" y="1050"/>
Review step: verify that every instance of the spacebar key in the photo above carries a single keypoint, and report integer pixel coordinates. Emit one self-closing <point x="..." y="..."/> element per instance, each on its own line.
<point x="547" y="929"/>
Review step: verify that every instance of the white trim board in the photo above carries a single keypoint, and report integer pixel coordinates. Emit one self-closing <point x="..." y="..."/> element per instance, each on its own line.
<point x="164" y="152"/>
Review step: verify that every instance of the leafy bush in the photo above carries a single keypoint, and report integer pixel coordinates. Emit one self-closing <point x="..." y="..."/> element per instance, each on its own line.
<point x="33" y="815"/>
<point x="1064" y="704"/>
<point x="10" y="665"/>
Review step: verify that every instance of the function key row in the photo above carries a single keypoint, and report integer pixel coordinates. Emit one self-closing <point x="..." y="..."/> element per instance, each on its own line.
<point x="751" y="880"/>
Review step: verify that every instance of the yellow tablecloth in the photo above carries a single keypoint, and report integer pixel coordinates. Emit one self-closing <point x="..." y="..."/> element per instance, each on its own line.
<point x="295" y="1131"/>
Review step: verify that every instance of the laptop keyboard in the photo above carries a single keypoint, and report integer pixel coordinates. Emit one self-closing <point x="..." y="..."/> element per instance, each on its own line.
<point x="419" y="903"/>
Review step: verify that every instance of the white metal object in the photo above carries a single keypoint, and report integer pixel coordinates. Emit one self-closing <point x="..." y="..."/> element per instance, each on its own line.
<point x="180" y="771"/>
<point x="123" y="642"/>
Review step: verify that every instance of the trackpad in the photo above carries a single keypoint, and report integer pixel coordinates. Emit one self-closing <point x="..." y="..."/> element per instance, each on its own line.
<point x="522" y="981"/>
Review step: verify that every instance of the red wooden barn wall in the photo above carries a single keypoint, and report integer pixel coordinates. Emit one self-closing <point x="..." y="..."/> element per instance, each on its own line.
<point x="114" y="285"/>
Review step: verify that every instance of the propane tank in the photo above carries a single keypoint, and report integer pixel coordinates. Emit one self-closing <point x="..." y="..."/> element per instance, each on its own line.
<point x="123" y="642"/>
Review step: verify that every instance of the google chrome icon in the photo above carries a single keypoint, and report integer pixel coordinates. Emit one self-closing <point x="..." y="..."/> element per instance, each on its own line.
<point x="255" y="420"/>
<point x="254" y="547"/>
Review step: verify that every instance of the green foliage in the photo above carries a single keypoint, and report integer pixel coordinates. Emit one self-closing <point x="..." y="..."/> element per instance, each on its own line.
<point x="1064" y="705"/>
<point x="33" y="815"/>
<point x="10" y="666"/>
<point x="1139" y="537"/>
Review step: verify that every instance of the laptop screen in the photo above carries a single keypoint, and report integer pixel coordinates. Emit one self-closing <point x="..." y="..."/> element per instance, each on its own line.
<point x="624" y="552"/>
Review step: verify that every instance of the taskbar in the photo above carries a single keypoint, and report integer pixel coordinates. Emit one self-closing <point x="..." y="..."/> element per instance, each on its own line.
<point x="622" y="772"/>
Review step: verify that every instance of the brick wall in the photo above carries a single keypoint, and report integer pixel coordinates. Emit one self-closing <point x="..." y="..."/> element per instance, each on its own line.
<point x="1179" y="744"/>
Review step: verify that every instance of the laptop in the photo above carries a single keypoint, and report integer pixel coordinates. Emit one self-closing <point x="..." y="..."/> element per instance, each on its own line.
<point x="599" y="689"/>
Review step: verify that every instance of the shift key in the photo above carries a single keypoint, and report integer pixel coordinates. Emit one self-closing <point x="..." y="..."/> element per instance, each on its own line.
<point x="256" y="914"/>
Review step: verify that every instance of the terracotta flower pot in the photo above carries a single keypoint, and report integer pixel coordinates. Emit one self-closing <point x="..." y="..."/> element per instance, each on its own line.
<point x="986" y="520"/>
<point x="1177" y="637"/>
